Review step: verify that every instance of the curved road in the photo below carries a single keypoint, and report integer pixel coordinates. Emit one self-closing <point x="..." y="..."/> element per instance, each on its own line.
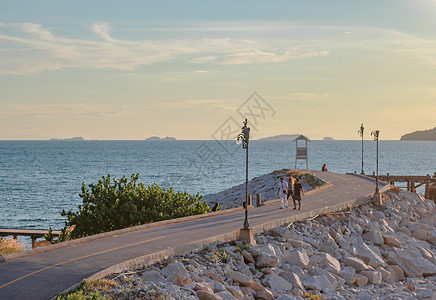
<point x="44" y="275"/>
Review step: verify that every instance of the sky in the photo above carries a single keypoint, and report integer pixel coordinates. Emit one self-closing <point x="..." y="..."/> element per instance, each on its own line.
<point x="128" y="70"/>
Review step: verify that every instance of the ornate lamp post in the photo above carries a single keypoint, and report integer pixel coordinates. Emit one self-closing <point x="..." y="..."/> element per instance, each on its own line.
<point x="360" y="132"/>
<point x="376" y="133"/>
<point x="244" y="137"/>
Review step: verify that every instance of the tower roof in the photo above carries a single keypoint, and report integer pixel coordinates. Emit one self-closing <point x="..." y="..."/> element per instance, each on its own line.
<point x="301" y="137"/>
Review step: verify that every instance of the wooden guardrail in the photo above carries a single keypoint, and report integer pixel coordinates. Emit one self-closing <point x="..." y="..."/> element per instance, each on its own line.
<point x="33" y="233"/>
<point x="413" y="182"/>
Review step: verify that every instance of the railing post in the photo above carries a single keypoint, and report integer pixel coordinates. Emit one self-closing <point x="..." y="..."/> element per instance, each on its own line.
<point x="258" y="200"/>
<point x="33" y="242"/>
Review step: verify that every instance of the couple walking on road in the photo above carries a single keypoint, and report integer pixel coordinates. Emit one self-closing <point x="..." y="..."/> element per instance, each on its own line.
<point x="294" y="189"/>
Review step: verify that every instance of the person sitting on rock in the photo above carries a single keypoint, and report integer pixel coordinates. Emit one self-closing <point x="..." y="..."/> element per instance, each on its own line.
<point x="324" y="168"/>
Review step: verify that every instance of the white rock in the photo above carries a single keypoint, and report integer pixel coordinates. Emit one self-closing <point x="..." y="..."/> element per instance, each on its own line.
<point x="374" y="277"/>
<point x="240" y="278"/>
<point x="327" y="262"/>
<point x="294" y="279"/>
<point x="391" y="240"/>
<point x="225" y="295"/>
<point x="174" y="268"/>
<point x="236" y="292"/>
<point x="266" y="260"/>
<point x="277" y="283"/>
<point x="361" y="280"/>
<point x="412" y="263"/>
<point x="374" y="236"/>
<point x="151" y="276"/>
<point x="297" y="257"/>
<point x="419" y="234"/>
<point x="356" y="263"/>
<point x="280" y="231"/>
<point x="369" y="255"/>
<point x="319" y="282"/>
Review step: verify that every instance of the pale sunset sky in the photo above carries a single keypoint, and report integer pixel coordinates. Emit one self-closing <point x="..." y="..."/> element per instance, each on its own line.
<point x="128" y="70"/>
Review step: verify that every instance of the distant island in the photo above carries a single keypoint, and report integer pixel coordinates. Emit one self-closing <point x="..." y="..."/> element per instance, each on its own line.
<point x="78" y="138"/>
<point x="282" y="137"/>
<point x="156" y="138"/>
<point x="327" y="138"/>
<point x="422" y="135"/>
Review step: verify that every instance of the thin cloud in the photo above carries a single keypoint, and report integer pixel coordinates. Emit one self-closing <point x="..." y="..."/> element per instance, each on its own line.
<point x="30" y="48"/>
<point x="63" y="111"/>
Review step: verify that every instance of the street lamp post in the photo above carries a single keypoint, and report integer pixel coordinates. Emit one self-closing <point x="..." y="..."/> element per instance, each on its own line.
<point x="376" y="134"/>
<point x="244" y="137"/>
<point x="361" y="135"/>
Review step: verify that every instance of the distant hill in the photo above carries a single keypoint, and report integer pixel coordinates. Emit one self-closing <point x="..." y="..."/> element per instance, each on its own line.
<point x="78" y="138"/>
<point x="327" y="138"/>
<point x="282" y="137"/>
<point x="156" y="138"/>
<point x="422" y="135"/>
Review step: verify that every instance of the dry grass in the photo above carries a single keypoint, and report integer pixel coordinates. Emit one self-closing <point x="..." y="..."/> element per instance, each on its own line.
<point x="295" y="173"/>
<point x="10" y="246"/>
<point x="101" y="285"/>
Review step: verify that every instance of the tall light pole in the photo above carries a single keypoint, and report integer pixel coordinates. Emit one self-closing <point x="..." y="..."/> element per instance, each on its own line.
<point x="376" y="134"/>
<point x="244" y="137"/>
<point x="360" y="132"/>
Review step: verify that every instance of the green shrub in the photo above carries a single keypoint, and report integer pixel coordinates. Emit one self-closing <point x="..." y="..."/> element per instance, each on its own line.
<point x="123" y="203"/>
<point x="79" y="296"/>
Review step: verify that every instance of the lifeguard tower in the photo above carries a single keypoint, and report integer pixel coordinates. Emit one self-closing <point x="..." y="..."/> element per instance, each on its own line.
<point x="301" y="149"/>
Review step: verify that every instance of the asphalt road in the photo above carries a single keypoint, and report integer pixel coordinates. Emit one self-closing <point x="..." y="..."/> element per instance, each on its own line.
<point x="44" y="275"/>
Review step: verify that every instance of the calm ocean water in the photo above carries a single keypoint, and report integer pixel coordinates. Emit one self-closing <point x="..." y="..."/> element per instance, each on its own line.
<point x="40" y="178"/>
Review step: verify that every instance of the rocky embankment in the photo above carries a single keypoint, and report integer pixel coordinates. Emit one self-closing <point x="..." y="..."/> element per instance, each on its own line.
<point x="371" y="252"/>
<point x="266" y="185"/>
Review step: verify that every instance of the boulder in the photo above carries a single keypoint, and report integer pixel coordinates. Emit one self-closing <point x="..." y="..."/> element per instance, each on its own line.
<point x="215" y="277"/>
<point x="374" y="277"/>
<point x="240" y="278"/>
<point x="277" y="283"/>
<point x="327" y="262"/>
<point x="261" y="292"/>
<point x="369" y="255"/>
<point x="387" y="276"/>
<point x="318" y="282"/>
<point x="265" y="260"/>
<point x="431" y="237"/>
<point x="419" y="234"/>
<point x="294" y="279"/>
<point x="349" y="275"/>
<point x="205" y="295"/>
<point x="297" y="257"/>
<point x="356" y="263"/>
<point x="205" y="286"/>
<point x="361" y="280"/>
<point x="280" y="231"/>
<point x="236" y="292"/>
<point x="225" y="295"/>
<point x="181" y="280"/>
<point x="174" y="268"/>
<point x="391" y="240"/>
<point x="374" y="236"/>
<point x="151" y="276"/>
<point x="412" y="263"/>
<point x="248" y="257"/>
<point x="396" y="271"/>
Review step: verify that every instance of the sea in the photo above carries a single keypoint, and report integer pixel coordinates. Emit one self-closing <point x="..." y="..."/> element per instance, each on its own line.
<point x="38" y="179"/>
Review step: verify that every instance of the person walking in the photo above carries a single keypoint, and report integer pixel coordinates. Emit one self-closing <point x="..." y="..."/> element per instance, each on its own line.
<point x="290" y="187"/>
<point x="283" y="192"/>
<point x="298" y="192"/>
